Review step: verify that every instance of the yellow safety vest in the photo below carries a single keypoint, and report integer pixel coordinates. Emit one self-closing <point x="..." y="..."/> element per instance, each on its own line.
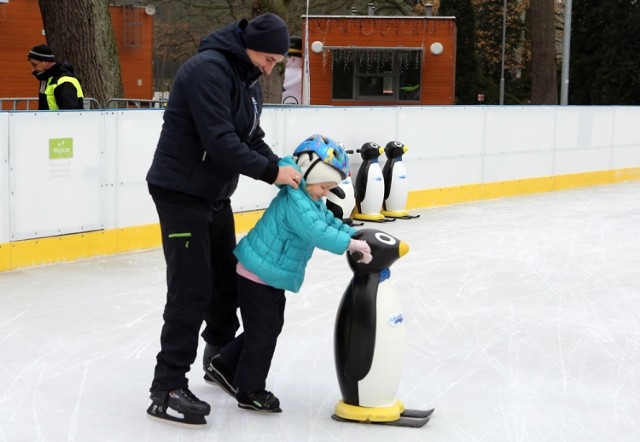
<point x="51" y="98"/>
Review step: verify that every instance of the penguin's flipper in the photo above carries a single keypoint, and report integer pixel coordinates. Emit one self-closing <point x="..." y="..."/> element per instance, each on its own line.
<point x="387" y="175"/>
<point x="360" y="185"/>
<point x="362" y="342"/>
<point x="339" y="192"/>
<point x="335" y="209"/>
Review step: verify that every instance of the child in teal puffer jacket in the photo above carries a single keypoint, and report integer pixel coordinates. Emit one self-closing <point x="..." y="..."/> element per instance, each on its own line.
<point x="272" y="258"/>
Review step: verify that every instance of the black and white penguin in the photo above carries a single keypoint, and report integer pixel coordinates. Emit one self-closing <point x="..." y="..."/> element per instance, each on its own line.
<point x="396" y="185"/>
<point x="369" y="184"/>
<point x="341" y="199"/>
<point x="369" y="339"/>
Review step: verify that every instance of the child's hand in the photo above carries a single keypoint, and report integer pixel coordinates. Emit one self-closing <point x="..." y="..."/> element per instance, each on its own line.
<point x="361" y="247"/>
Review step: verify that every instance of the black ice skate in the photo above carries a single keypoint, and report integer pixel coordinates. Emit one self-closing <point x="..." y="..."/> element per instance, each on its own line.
<point x="209" y="352"/>
<point x="258" y="401"/>
<point x="182" y="401"/>
<point x="217" y="373"/>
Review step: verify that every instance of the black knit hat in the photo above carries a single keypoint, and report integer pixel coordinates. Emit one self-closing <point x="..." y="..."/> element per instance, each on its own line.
<point x="267" y="33"/>
<point x="41" y="53"/>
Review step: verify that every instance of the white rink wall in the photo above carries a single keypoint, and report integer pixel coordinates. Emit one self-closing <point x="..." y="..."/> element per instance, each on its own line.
<point x="80" y="171"/>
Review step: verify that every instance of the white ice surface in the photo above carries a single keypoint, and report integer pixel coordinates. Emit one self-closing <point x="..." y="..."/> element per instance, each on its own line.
<point x="523" y="324"/>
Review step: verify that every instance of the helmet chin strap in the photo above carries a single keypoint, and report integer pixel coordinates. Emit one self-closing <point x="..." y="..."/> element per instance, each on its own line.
<point x="306" y="174"/>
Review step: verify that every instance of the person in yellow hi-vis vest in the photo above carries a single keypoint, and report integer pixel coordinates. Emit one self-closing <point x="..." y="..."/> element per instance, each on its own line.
<point x="59" y="87"/>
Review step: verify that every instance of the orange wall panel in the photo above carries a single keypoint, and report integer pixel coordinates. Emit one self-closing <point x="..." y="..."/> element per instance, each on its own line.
<point x="21" y="28"/>
<point x="136" y="61"/>
<point x="438" y="71"/>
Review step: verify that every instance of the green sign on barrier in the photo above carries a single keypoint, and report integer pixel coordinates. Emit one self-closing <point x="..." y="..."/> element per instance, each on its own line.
<point x="60" y="148"/>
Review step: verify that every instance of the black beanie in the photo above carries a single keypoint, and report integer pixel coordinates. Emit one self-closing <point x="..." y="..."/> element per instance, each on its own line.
<point x="41" y="53"/>
<point x="267" y="33"/>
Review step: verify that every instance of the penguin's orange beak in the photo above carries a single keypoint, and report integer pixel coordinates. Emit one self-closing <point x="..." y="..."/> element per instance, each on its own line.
<point x="404" y="248"/>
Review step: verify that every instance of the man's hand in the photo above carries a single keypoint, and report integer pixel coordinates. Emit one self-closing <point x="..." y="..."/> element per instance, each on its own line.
<point x="289" y="176"/>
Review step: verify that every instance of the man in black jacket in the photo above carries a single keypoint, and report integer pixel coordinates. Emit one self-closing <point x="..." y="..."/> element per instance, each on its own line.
<point x="211" y="134"/>
<point x="59" y="87"/>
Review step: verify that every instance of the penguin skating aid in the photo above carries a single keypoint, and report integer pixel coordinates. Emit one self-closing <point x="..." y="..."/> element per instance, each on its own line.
<point x="369" y="340"/>
<point x="341" y="200"/>
<point x="396" y="185"/>
<point x="369" y="185"/>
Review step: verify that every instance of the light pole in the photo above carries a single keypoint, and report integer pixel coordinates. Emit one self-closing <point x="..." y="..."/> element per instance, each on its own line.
<point x="566" y="45"/>
<point x="504" y="33"/>
<point x="306" y="85"/>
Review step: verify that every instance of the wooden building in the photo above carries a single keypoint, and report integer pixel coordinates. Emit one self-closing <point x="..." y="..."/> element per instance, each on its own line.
<point x="21" y="28"/>
<point x="380" y="60"/>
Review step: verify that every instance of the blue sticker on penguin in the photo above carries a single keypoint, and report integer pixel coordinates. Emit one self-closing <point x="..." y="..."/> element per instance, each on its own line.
<point x="395" y="320"/>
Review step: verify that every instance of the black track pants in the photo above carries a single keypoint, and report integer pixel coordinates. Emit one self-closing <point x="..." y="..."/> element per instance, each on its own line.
<point x="198" y="242"/>
<point x="250" y="354"/>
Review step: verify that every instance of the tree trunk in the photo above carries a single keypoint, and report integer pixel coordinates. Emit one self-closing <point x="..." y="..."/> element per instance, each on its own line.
<point x="81" y="32"/>
<point x="544" y="71"/>
<point x="272" y="86"/>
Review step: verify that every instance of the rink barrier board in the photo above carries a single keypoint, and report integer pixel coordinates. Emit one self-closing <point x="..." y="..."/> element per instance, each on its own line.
<point x="422" y="199"/>
<point x="76" y="246"/>
<point x="71" y="247"/>
<point x="96" y="201"/>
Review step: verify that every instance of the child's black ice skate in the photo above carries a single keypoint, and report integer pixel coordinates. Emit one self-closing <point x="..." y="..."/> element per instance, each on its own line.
<point x="217" y="373"/>
<point x="209" y="352"/>
<point x="258" y="401"/>
<point x="182" y="401"/>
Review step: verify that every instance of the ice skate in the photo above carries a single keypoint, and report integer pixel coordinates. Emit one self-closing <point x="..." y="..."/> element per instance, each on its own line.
<point x="180" y="401"/>
<point x="209" y="352"/>
<point x="258" y="401"/>
<point x="217" y="373"/>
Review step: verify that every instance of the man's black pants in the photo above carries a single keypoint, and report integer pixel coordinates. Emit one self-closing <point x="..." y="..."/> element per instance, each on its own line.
<point x="198" y="241"/>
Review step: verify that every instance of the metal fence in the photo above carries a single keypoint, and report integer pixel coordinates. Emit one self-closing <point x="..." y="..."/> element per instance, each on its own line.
<point x="18" y="103"/>
<point x="134" y="103"/>
<point x="31" y="103"/>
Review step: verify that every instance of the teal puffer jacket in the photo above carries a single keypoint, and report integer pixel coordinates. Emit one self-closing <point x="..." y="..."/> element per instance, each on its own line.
<point x="278" y="248"/>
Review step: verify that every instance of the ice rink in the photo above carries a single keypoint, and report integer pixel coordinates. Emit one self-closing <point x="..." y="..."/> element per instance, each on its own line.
<point x="522" y="315"/>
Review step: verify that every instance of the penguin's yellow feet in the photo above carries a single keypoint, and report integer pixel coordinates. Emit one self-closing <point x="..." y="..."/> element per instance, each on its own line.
<point x="395" y="415"/>
<point x="395" y="213"/>
<point x="369" y="414"/>
<point x="368" y="216"/>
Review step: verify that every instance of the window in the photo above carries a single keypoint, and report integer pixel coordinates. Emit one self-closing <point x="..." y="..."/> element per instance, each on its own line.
<point x="376" y="74"/>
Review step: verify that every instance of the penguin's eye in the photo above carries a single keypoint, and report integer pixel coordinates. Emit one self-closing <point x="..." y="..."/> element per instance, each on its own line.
<point x="385" y="238"/>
